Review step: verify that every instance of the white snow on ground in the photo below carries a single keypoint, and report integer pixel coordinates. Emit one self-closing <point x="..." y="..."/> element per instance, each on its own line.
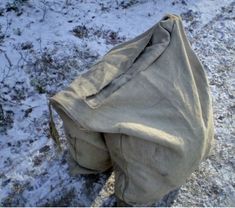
<point x="44" y="44"/>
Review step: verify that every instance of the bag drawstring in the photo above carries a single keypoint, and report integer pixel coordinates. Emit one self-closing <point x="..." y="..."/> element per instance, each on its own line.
<point x="53" y="131"/>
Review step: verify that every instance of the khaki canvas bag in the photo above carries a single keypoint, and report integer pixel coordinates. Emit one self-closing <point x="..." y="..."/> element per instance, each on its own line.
<point x="143" y="109"/>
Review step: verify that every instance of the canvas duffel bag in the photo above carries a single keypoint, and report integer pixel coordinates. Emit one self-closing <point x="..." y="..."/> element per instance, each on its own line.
<point x="145" y="110"/>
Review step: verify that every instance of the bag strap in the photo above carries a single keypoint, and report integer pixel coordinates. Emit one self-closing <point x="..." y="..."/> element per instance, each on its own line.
<point x="53" y="131"/>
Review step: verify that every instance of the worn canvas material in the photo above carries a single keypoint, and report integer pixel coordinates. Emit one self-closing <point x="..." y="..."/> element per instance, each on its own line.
<point x="143" y="109"/>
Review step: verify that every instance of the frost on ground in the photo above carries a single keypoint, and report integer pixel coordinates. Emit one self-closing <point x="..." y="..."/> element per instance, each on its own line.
<point x="44" y="44"/>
